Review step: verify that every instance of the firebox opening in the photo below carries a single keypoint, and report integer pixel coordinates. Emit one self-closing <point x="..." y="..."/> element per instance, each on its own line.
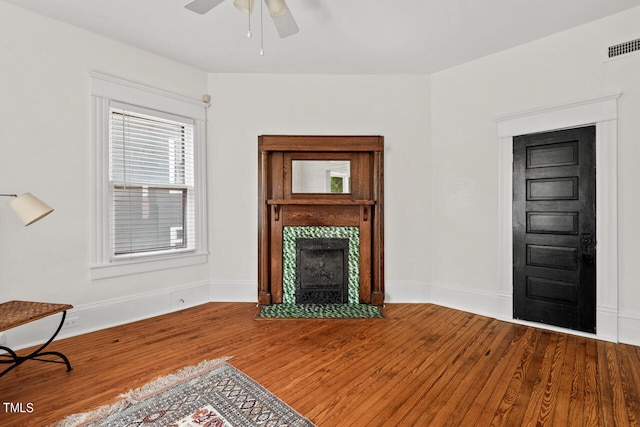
<point x="322" y="271"/>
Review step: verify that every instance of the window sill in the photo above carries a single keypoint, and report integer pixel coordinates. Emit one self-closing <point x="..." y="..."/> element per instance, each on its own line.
<point x="129" y="267"/>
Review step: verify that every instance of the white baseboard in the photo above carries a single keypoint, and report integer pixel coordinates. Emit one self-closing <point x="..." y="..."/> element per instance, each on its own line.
<point x="109" y="313"/>
<point x="612" y="326"/>
<point x="472" y="301"/>
<point x="484" y="303"/>
<point x="407" y="292"/>
<point x="505" y="306"/>
<point x="607" y="324"/>
<point x="234" y="291"/>
<point x="629" y="328"/>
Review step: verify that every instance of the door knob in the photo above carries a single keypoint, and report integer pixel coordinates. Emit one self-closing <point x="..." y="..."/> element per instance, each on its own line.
<point x="587" y="248"/>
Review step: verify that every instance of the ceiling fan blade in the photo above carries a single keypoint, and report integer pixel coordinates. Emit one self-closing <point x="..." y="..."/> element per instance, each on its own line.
<point x="285" y="24"/>
<point x="202" y="6"/>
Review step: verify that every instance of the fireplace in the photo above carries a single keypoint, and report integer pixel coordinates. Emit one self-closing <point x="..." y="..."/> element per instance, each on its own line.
<point x="320" y="183"/>
<point x="322" y="271"/>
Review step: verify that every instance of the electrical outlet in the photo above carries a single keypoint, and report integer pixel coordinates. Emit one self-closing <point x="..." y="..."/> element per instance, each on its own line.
<point x="71" y="322"/>
<point x="188" y="297"/>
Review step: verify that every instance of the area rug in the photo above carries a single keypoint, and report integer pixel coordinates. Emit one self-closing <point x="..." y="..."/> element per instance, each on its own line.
<point x="211" y="394"/>
<point x="320" y="311"/>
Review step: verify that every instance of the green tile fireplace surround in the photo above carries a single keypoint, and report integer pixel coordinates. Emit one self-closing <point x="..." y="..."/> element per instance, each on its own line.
<point x="290" y="234"/>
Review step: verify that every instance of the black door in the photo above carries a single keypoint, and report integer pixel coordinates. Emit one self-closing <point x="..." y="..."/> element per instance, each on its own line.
<point x="554" y="228"/>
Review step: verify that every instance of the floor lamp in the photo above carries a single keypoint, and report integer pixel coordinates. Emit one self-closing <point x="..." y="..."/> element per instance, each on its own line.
<point x="28" y="207"/>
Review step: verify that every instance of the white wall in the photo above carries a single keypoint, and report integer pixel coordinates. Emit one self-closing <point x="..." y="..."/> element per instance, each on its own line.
<point x="45" y="139"/>
<point x="245" y="106"/>
<point x="465" y="103"/>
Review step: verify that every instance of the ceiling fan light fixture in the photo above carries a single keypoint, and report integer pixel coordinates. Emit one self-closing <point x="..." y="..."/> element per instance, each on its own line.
<point x="245" y="6"/>
<point x="277" y="7"/>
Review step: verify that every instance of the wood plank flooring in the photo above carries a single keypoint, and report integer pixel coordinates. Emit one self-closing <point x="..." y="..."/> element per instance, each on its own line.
<point x="423" y="365"/>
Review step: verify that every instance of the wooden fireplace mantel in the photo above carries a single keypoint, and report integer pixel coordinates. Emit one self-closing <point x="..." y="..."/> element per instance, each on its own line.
<point x="279" y="206"/>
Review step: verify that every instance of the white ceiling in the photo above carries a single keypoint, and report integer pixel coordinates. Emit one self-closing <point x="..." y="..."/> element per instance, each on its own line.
<point x="336" y="36"/>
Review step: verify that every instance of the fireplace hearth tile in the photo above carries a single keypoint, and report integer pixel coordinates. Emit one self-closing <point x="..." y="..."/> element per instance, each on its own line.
<point x="320" y="311"/>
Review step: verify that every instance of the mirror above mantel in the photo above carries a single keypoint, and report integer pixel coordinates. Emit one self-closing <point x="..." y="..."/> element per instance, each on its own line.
<point x="321" y="176"/>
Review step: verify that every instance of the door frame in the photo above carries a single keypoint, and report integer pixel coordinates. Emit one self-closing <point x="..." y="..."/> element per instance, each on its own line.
<point x="603" y="113"/>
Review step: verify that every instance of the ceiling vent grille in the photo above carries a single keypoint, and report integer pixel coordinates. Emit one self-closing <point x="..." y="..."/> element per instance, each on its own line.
<point x="624" y="48"/>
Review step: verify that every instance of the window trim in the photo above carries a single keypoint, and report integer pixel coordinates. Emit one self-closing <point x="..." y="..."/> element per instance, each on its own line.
<point x="104" y="90"/>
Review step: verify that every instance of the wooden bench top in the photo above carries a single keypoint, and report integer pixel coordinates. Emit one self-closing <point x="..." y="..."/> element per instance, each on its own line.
<point x="16" y="313"/>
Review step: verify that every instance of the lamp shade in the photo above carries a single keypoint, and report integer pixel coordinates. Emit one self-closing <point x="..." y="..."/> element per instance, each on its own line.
<point x="29" y="208"/>
<point x="245" y="6"/>
<point x="277" y="7"/>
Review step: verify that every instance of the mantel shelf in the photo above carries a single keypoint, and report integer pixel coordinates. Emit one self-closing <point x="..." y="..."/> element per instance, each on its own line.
<point x="324" y="201"/>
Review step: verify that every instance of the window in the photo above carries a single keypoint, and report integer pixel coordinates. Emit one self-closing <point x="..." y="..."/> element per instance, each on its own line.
<point x="149" y="192"/>
<point x="151" y="180"/>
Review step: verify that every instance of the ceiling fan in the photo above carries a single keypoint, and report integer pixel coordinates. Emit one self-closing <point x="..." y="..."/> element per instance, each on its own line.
<point x="280" y="13"/>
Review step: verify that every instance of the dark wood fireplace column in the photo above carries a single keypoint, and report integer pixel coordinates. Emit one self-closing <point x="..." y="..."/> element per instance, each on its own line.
<point x="280" y="205"/>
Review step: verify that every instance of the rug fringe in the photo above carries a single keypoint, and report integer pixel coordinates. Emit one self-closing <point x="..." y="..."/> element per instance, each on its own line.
<point x="148" y="390"/>
<point x="166" y="382"/>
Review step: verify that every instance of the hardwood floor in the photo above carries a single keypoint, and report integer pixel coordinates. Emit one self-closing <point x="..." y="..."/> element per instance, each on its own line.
<point x="423" y="365"/>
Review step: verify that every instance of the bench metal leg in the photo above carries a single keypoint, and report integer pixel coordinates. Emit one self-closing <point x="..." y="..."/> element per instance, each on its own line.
<point x="16" y="360"/>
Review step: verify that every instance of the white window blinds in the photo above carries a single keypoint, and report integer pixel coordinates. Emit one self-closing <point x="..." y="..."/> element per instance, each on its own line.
<point x="151" y="170"/>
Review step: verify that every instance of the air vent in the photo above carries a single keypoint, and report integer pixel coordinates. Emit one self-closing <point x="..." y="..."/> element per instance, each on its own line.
<point x="624" y="48"/>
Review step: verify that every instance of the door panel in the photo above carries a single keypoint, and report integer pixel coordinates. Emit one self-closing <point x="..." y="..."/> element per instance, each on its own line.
<point x="554" y="228"/>
<point x="552" y="257"/>
<point x="561" y="154"/>
<point x="553" y="223"/>
<point x="552" y="290"/>
<point x="552" y="188"/>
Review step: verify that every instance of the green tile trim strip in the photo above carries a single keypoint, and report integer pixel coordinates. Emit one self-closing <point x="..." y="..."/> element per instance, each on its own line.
<point x="289" y="236"/>
<point x="319" y="311"/>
